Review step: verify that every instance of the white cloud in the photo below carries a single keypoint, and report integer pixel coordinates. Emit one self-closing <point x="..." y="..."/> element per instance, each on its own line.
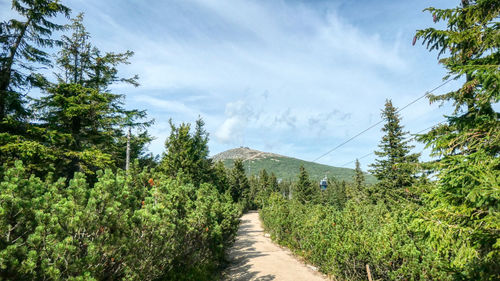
<point x="167" y="106"/>
<point x="238" y="114"/>
<point x="305" y="76"/>
<point x="230" y="130"/>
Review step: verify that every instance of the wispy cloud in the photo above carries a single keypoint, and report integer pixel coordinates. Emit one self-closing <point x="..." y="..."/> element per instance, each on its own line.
<point x="167" y="106"/>
<point x="306" y="74"/>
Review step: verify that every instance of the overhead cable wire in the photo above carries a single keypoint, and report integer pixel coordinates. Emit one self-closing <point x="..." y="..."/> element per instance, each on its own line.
<point x="379" y="122"/>
<point x="410" y="139"/>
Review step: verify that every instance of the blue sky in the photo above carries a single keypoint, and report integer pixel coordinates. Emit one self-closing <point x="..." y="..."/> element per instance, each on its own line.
<point x="290" y="77"/>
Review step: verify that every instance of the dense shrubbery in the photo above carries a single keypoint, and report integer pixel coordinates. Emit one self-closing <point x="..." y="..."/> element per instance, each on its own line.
<point x="176" y="222"/>
<point x="141" y="226"/>
<point x="342" y="242"/>
<point x="407" y="226"/>
<point x="170" y="224"/>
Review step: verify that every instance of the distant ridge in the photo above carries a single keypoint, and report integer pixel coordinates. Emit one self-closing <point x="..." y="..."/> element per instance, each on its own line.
<point x="284" y="167"/>
<point x="243" y="153"/>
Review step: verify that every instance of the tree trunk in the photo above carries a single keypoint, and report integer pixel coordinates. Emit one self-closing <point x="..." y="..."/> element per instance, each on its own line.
<point x="7" y="71"/>
<point x="127" y="158"/>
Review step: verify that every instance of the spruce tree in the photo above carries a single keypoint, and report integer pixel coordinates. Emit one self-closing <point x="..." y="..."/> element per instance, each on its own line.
<point x="201" y="153"/>
<point x="84" y="64"/>
<point x="220" y="177"/>
<point x="92" y="116"/>
<point x="359" y="177"/>
<point x="465" y="205"/>
<point x="356" y="190"/>
<point x="335" y="195"/>
<point x="85" y="116"/>
<point x="262" y="190"/>
<point x="264" y="186"/>
<point x="239" y="186"/>
<point x="24" y="45"/>
<point x="23" y="48"/>
<point x="188" y="152"/>
<point x="395" y="164"/>
<point x="178" y="151"/>
<point x="273" y="183"/>
<point x="79" y="124"/>
<point x="305" y="191"/>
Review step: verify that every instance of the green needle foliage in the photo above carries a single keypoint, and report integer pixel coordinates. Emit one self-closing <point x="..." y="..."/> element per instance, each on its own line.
<point x="261" y="187"/>
<point x="187" y="152"/>
<point x="358" y="189"/>
<point x="69" y="212"/>
<point x="395" y="164"/>
<point x="463" y="220"/>
<point x="359" y="178"/>
<point x="88" y="117"/>
<point x="239" y="187"/>
<point x="137" y="226"/>
<point x="22" y="49"/>
<point x="79" y="124"/>
<point x="340" y="242"/>
<point x="84" y="64"/>
<point x="305" y="191"/>
<point x="221" y="179"/>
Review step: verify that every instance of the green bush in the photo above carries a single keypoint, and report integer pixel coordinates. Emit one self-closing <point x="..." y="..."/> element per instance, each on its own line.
<point x="342" y="242"/>
<point x="144" y="226"/>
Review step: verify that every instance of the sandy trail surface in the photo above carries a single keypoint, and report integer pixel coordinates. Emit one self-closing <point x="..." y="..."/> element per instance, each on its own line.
<point x="256" y="257"/>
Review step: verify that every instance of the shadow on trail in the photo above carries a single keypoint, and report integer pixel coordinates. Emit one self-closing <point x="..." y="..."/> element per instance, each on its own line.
<point x="242" y="252"/>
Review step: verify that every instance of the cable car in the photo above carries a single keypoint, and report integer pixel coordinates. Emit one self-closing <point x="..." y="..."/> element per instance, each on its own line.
<point x="323" y="184"/>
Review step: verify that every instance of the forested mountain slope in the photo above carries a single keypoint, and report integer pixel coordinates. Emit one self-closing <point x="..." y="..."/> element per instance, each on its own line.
<point x="282" y="166"/>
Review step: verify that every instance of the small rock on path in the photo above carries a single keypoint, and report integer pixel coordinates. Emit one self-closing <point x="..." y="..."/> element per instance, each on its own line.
<point x="256" y="257"/>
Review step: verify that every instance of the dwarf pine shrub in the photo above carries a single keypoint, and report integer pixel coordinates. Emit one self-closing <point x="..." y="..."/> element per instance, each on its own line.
<point x="143" y="226"/>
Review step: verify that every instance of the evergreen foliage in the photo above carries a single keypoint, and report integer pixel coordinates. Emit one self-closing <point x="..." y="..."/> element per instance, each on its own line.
<point x="239" y="187"/>
<point x="187" y="152"/>
<point x="395" y="164"/>
<point x="359" y="178"/>
<point x="450" y="228"/>
<point x="340" y="242"/>
<point x="261" y="188"/>
<point x="335" y="194"/>
<point x="305" y="191"/>
<point x="286" y="169"/>
<point x="464" y="205"/>
<point x="357" y="190"/>
<point x="68" y="210"/>
<point x="220" y="175"/>
<point x="23" y="44"/>
<point x="84" y="64"/>
<point x="78" y="124"/>
<point x="58" y="223"/>
<point x="88" y="118"/>
<point x="273" y="185"/>
<point x="140" y="226"/>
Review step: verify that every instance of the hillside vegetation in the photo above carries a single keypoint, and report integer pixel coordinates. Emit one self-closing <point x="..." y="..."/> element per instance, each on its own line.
<point x="80" y="198"/>
<point x="437" y="220"/>
<point x="284" y="167"/>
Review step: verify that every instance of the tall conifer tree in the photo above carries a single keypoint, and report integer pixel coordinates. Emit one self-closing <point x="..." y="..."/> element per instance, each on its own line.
<point x="238" y="182"/>
<point x="273" y="183"/>
<point x="188" y="151"/>
<point x="220" y="177"/>
<point x="465" y="202"/>
<point x="83" y="108"/>
<point x="305" y="191"/>
<point x="23" y="44"/>
<point x="395" y="165"/>
<point x="359" y="177"/>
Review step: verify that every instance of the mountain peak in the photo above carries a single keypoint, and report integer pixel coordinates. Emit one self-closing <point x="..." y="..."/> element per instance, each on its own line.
<point x="244" y="153"/>
<point x="283" y="167"/>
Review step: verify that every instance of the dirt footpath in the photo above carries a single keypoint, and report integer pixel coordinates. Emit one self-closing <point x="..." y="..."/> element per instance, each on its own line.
<point x="255" y="257"/>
